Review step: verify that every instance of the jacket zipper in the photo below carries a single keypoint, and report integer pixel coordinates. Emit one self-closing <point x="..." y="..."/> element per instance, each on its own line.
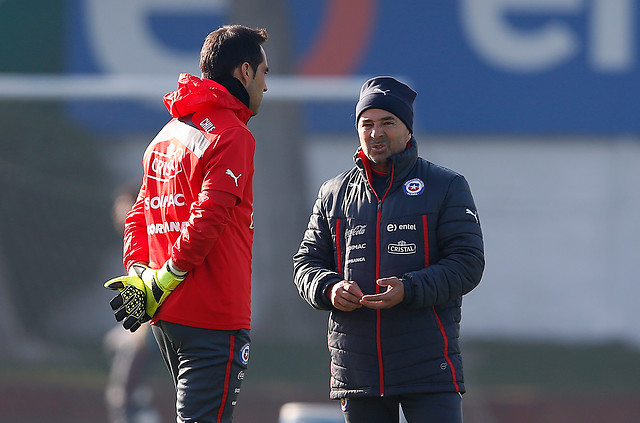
<point x="379" y="312"/>
<point x="378" y="253"/>
<point x="338" y="248"/>
<point x="378" y="224"/>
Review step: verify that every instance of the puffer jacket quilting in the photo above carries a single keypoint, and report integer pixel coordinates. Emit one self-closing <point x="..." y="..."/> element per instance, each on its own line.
<point x="425" y="231"/>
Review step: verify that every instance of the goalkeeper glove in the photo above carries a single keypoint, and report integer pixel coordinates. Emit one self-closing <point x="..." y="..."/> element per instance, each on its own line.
<point x="129" y="304"/>
<point x="141" y="294"/>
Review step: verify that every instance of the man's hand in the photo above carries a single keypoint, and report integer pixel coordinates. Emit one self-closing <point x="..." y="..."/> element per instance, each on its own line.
<point x="142" y="294"/>
<point x="345" y="296"/>
<point x="129" y="304"/>
<point x="393" y="295"/>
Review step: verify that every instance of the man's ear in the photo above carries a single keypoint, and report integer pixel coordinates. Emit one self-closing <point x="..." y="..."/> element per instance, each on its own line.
<point x="244" y="73"/>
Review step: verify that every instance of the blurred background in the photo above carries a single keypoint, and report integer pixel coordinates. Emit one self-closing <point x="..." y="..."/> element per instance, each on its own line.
<point x="535" y="101"/>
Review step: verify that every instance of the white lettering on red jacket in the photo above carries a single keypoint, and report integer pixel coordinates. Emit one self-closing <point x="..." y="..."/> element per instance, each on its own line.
<point x="165" y="166"/>
<point x="162" y="201"/>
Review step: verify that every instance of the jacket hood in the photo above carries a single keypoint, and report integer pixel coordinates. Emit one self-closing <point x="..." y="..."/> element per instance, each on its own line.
<point x="195" y="94"/>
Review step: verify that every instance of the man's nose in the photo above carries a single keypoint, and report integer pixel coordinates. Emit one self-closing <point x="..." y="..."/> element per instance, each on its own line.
<point x="376" y="131"/>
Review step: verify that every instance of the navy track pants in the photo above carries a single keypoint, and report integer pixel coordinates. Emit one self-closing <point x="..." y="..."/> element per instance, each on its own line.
<point x="207" y="367"/>
<point x="417" y="408"/>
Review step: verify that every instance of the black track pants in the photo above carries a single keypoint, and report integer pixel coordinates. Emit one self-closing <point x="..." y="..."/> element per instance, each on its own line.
<point x="417" y="408"/>
<point x="207" y="367"/>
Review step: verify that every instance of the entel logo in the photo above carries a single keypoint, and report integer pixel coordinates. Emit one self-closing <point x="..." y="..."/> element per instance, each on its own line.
<point x="609" y="42"/>
<point x="392" y="227"/>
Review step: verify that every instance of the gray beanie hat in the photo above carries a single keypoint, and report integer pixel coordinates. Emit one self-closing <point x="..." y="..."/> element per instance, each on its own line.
<point x="387" y="93"/>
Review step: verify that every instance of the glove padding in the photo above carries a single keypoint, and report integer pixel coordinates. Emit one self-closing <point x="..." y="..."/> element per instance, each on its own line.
<point x="129" y="304"/>
<point x="141" y="294"/>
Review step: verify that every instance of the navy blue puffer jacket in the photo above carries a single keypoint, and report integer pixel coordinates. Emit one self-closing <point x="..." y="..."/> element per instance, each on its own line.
<point x="424" y="230"/>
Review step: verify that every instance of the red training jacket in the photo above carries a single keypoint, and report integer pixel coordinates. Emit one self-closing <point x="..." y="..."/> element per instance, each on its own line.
<point x="180" y="213"/>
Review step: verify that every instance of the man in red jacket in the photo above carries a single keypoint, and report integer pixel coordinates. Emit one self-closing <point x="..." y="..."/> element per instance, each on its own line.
<point x="188" y="237"/>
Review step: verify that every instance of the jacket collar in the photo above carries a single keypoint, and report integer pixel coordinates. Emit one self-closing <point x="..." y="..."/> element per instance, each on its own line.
<point x="195" y="94"/>
<point x="235" y="87"/>
<point x="400" y="164"/>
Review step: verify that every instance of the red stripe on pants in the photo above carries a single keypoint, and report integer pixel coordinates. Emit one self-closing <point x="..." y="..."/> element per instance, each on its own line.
<point x="227" y="375"/>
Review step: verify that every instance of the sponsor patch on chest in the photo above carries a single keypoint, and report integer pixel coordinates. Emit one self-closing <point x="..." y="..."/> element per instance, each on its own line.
<point x="402" y="247"/>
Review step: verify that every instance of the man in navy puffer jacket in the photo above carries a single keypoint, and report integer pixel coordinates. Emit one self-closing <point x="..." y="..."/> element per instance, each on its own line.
<point x="391" y="247"/>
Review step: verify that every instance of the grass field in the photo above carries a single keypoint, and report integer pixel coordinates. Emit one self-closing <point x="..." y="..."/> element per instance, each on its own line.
<point x="506" y="382"/>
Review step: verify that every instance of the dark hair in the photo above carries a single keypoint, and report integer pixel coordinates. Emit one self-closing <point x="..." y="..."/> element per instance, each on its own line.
<point x="230" y="46"/>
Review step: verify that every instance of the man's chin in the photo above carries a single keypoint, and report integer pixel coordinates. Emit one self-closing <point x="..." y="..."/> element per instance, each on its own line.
<point x="379" y="159"/>
<point x="379" y="163"/>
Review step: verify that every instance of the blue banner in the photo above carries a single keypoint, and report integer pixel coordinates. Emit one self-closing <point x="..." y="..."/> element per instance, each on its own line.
<point x="479" y="66"/>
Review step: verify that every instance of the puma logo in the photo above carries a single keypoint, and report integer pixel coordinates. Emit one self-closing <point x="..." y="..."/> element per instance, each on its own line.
<point x="379" y="90"/>
<point x="235" y="178"/>
<point x="474" y="214"/>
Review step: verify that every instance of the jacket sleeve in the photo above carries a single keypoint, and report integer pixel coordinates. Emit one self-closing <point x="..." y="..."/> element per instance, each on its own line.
<point x="314" y="262"/>
<point x="461" y="263"/>
<point x="136" y="246"/>
<point x="206" y="223"/>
